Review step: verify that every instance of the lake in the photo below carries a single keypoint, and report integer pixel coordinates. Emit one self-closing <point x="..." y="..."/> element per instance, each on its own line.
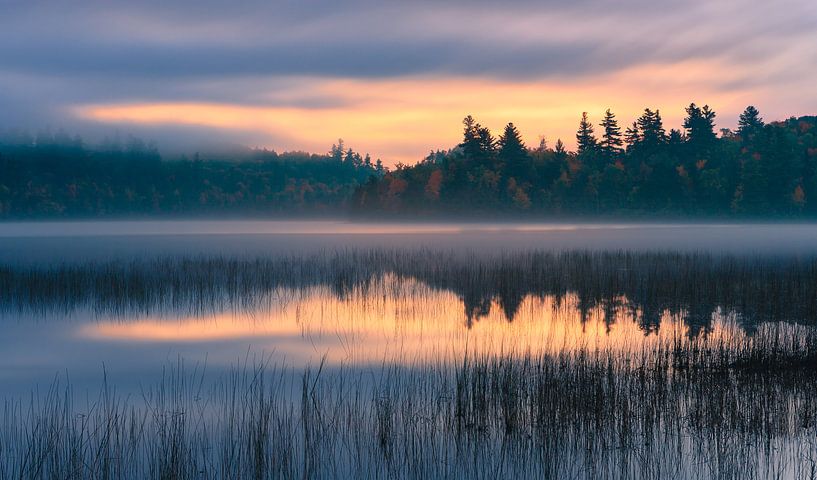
<point x="697" y="340"/>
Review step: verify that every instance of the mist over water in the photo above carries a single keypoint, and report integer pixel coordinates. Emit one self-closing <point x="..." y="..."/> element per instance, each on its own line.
<point x="60" y="242"/>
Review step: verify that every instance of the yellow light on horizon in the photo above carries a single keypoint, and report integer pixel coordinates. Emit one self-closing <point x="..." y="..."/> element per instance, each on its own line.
<point x="400" y="120"/>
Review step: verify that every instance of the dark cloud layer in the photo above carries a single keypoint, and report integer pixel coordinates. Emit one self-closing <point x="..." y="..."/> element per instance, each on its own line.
<point x="363" y="39"/>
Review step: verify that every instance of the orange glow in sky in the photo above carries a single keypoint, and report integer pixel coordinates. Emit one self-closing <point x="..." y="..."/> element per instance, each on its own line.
<point x="401" y="120"/>
<point x="394" y="79"/>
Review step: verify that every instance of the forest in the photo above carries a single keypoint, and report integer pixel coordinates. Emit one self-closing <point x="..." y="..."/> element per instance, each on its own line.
<point x="641" y="169"/>
<point x="54" y="175"/>
<point x="635" y="170"/>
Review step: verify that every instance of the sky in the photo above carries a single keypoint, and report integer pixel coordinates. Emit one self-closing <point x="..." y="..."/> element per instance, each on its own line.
<point x="393" y="79"/>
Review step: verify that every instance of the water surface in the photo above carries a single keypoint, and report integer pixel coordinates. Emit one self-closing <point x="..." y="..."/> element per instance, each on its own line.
<point x="334" y="349"/>
<point x="91" y="241"/>
<point x="403" y="319"/>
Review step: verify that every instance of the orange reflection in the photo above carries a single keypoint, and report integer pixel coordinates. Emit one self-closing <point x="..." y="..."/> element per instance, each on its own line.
<point x="409" y="321"/>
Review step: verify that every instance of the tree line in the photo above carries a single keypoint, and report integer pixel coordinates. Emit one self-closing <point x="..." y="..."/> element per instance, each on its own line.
<point x="54" y="175"/>
<point x="640" y="169"/>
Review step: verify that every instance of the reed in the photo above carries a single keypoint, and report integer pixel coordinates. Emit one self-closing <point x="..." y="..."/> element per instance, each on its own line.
<point x="580" y="414"/>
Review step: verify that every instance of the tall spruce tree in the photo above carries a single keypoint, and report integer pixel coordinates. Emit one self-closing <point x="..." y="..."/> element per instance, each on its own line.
<point x="487" y="142"/>
<point x="651" y="129"/>
<point x="559" y="148"/>
<point x="470" y="141"/>
<point x="700" y="125"/>
<point x="478" y="144"/>
<point x="632" y="136"/>
<point x="611" y="141"/>
<point x="749" y="123"/>
<point x="513" y="153"/>
<point x="585" y="138"/>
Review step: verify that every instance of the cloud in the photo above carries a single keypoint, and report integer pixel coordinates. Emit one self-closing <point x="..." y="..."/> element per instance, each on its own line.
<point x="291" y="56"/>
<point x="366" y="40"/>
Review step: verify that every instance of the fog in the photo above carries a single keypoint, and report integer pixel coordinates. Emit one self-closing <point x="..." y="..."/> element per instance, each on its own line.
<point x="99" y="241"/>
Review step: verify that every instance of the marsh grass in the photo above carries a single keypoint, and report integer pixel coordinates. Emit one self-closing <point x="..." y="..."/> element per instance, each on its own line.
<point x="582" y="414"/>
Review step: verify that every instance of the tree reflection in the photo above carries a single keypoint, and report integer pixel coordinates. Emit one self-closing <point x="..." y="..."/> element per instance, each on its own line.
<point x="691" y="287"/>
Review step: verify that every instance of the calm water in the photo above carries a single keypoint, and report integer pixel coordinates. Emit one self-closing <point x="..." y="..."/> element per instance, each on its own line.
<point x="89" y="241"/>
<point x="446" y="350"/>
<point x="403" y="319"/>
<point x="410" y="323"/>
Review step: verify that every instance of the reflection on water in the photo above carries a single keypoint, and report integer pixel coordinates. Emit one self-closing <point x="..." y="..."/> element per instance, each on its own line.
<point x="413" y="364"/>
<point x="412" y="323"/>
<point x="365" y="308"/>
<point x="409" y="381"/>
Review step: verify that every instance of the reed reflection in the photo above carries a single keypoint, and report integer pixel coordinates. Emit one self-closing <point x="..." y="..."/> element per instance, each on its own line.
<point x="406" y="321"/>
<point x="454" y="288"/>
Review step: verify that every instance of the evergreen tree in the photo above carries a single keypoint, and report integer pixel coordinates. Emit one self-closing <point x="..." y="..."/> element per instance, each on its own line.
<point x="543" y="144"/>
<point x="471" y="142"/>
<point x="337" y="152"/>
<point x="478" y="143"/>
<point x="700" y="125"/>
<point x="560" y="149"/>
<point x="651" y="129"/>
<point x="675" y="138"/>
<point x="749" y="123"/>
<point x="487" y="142"/>
<point x="585" y="138"/>
<point x="512" y="151"/>
<point x="611" y="138"/>
<point x="353" y="158"/>
<point x="632" y="136"/>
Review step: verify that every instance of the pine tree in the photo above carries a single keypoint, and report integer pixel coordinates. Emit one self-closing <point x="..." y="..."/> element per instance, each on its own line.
<point x="611" y="138"/>
<point x="700" y="125"/>
<point x="631" y="136"/>
<point x="470" y="141"/>
<point x="651" y="129"/>
<point x="675" y="137"/>
<point x="749" y="123"/>
<point x="513" y="153"/>
<point x="337" y="151"/>
<point x="478" y="144"/>
<point x="353" y="158"/>
<point x="560" y="148"/>
<point x="543" y="144"/>
<point x="487" y="142"/>
<point x="585" y="139"/>
<point x="511" y="146"/>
